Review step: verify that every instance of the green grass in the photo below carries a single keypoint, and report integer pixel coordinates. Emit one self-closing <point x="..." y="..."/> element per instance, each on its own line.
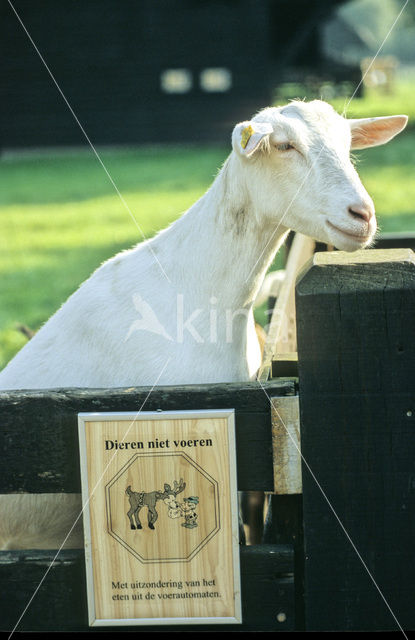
<point x="60" y="216"/>
<point x="374" y="103"/>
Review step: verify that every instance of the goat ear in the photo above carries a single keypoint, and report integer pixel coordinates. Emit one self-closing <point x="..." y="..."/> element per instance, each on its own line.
<point x="248" y="135"/>
<point x="370" y="132"/>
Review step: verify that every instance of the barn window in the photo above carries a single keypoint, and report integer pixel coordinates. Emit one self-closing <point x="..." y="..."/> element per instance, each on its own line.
<point x="216" y="80"/>
<point x="176" y="81"/>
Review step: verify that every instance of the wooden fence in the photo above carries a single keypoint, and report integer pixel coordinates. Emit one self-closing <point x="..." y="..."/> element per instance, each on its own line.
<point x="336" y="552"/>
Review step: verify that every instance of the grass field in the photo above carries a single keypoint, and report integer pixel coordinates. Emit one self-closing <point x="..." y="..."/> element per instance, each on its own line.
<point x="60" y="216"/>
<point x="374" y="103"/>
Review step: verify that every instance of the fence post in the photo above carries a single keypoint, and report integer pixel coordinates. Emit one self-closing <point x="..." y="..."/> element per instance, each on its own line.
<point x="356" y="331"/>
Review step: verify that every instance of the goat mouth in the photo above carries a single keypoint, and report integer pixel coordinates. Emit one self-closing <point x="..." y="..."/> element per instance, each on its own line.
<point x="354" y="236"/>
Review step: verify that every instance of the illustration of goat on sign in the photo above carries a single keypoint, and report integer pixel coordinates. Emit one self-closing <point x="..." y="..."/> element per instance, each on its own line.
<point x="140" y="499"/>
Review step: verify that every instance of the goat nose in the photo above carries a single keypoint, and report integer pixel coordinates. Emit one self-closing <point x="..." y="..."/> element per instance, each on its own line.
<point x="364" y="212"/>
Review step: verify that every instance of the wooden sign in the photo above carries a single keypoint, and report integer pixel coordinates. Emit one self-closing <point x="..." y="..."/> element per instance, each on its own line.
<point x="160" y="517"/>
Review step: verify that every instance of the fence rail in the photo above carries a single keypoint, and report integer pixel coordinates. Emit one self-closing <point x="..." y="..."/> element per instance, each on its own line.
<point x="337" y="556"/>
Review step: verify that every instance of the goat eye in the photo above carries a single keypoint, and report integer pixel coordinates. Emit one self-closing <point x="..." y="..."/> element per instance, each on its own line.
<point x="284" y="146"/>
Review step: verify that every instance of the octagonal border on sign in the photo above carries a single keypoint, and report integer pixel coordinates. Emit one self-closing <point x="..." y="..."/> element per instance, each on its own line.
<point x="205" y="540"/>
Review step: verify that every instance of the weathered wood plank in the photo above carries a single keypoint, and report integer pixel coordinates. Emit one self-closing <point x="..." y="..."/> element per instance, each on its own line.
<point x="356" y="327"/>
<point x="286" y="445"/>
<point x="281" y="336"/>
<point x="60" y="604"/>
<point x="39" y="438"/>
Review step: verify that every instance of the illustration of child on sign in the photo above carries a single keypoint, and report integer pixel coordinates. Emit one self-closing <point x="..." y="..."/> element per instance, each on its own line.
<point x="185" y="509"/>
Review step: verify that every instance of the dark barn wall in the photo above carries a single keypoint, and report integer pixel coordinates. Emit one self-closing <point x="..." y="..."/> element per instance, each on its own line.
<point x="107" y="58"/>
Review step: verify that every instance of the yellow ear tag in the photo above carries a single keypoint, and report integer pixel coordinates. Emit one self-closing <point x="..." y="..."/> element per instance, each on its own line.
<point x="246" y="134"/>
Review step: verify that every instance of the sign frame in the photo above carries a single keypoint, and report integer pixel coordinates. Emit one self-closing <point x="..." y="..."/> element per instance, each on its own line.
<point x="229" y="415"/>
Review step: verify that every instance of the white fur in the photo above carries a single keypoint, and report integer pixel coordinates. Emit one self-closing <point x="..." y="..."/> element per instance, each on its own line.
<point x="215" y="256"/>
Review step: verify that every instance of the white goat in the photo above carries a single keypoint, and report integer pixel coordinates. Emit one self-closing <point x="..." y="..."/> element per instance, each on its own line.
<point x="195" y="283"/>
